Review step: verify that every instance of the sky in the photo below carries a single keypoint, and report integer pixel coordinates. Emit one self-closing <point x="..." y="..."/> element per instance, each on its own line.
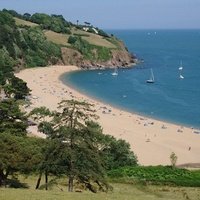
<point x="117" y="14"/>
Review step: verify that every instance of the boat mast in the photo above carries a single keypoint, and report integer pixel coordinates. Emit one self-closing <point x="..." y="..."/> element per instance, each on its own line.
<point x="152" y="76"/>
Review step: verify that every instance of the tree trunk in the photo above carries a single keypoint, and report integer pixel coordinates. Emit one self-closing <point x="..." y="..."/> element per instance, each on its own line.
<point x="38" y="181"/>
<point x="46" y="180"/>
<point x="5" y="176"/>
<point x="1" y="177"/>
<point x="71" y="166"/>
<point x="70" y="184"/>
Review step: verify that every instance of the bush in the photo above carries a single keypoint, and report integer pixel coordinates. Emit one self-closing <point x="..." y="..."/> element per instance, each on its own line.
<point x="165" y="175"/>
<point x="89" y="51"/>
<point x="72" y="39"/>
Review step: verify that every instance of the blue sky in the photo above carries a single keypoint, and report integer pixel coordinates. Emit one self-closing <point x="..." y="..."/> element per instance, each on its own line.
<point x="117" y="14"/>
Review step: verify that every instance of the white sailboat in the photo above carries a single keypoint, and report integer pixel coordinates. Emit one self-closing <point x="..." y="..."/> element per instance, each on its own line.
<point x="181" y="66"/>
<point x="115" y="73"/>
<point x="151" y="79"/>
<point x="180" y="70"/>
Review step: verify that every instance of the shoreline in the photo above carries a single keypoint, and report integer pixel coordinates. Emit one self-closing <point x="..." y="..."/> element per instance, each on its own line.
<point x="125" y="109"/>
<point x="151" y="140"/>
<point x="90" y="96"/>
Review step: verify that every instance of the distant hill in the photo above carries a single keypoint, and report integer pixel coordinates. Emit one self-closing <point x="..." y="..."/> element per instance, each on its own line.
<point x="41" y="39"/>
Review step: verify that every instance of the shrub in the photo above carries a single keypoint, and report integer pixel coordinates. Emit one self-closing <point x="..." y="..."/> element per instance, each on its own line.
<point x="165" y="175"/>
<point x="72" y="39"/>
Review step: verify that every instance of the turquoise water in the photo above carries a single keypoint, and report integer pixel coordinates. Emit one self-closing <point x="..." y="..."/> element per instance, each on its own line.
<point x="169" y="98"/>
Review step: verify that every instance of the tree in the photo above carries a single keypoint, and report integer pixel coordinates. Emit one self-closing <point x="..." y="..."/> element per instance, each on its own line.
<point x="12" y="119"/>
<point x="83" y="152"/>
<point x="87" y="23"/>
<point x="117" y="153"/>
<point x="72" y="39"/>
<point x="6" y="66"/>
<point x="78" y="155"/>
<point x="27" y="16"/>
<point x="18" y="154"/>
<point x="173" y="159"/>
<point x="16" y="88"/>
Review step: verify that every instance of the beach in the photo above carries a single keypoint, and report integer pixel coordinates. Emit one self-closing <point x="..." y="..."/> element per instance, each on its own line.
<point x="151" y="140"/>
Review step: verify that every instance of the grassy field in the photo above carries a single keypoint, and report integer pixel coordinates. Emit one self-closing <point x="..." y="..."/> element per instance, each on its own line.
<point x="62" y="39"/>
<point x="120" y="192"/>
<point x="23" y="22"/>
<point x="94" y="39"/>
<point x="57" y="38"/>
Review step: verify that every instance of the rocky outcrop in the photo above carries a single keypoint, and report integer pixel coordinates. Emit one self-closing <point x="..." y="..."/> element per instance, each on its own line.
<point x="120" y="57"/>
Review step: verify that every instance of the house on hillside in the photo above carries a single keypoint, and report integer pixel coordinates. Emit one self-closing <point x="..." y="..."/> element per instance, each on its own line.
<point x="87" y="29"/>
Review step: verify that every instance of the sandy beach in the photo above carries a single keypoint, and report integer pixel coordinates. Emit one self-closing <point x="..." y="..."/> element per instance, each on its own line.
<point x="151" y="140"/>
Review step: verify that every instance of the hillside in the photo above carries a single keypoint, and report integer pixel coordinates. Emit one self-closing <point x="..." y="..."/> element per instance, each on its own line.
<point x="83" y="45"/>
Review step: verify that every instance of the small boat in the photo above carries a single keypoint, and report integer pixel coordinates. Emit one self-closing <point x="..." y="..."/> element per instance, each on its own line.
<point x="151" y="79"/>
<point x="115" y="73"/>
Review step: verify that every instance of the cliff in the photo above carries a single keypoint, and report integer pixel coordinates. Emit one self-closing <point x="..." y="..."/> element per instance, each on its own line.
<point x="119" y="58"/>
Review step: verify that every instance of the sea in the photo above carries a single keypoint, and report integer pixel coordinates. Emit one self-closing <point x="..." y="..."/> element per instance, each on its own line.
<point x="169" y="98"/>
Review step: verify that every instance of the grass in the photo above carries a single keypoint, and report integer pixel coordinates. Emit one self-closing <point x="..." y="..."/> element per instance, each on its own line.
<point x="58" y="38"/>
<point x="24" y="23"/>
<point x="120" y="192"/>
<point x="94" y="39"/>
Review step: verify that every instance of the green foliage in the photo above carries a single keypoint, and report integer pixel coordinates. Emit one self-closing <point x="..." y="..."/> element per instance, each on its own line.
<point x="18" y="154"/>
<point x="83" y="152"/>
<point x="11" y="85"/>
<point x="12" y="119"/>
<point x="68" y="135"/>
<point x="29" y="44"/>
<point x="27" y="16"/>
<point x="16" y="88"/>
<point x="102" y="33"/>
<point x="26" y="45"/>
<point x="117" y="153"/>
<point x="8" y="33"/>
<point x="6" y="66"/>
<point x="13" y="13"/>
<point x="166" y="175"/>
<point x="91" y="52"/>
<point x="39" y="51"/>
<point x="55" y="23"/>
<point x="72" y="39"/>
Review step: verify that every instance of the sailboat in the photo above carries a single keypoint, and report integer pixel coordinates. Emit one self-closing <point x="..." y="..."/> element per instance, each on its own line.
<point x="151" y="79"/>
<point x="180" y="70"/>
<point x="115" y="73"/>
<point x="181" y="66"/>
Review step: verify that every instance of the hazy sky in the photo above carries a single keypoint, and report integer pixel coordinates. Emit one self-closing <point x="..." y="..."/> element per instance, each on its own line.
<point x="117" y="14"/>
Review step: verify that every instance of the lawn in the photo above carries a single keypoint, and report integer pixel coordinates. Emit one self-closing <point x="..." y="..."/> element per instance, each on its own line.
<point x="120" y="192"/>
